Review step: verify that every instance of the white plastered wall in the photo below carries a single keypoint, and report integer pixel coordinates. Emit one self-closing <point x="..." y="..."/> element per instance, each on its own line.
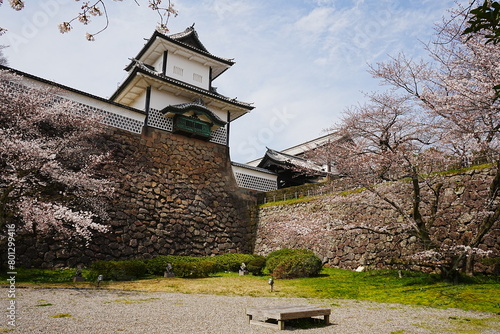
<point x="190" y="69"/>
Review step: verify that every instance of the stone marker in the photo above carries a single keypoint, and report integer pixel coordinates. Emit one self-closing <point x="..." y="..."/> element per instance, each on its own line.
<point x="99" y="279"/>
<point x="243" y="269"/>
<point x="78" y="276"/>
<point x="271" y="283"/>
<point x="168" y="271"/>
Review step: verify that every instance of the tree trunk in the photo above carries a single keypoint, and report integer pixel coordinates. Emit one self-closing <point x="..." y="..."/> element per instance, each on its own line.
<point x="422" y="231"/>
<point x="486" y="225"/>
<point x="469" y="264"/>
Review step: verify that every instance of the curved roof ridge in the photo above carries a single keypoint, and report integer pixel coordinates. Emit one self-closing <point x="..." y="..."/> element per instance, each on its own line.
<point x="279" y="157"/>
<point x="190" y="37"/>
<point x="196" y="105"/>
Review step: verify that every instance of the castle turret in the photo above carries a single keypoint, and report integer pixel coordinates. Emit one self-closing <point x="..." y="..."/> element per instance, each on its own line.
<point x="171" y="79"/>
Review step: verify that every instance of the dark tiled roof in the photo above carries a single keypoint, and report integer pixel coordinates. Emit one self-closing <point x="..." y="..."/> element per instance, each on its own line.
<point x="185" y="41"/>
<point x="262" y="170"/>
<point x="55" y="84"/>
<point x="287" y="160"/>
<point x="141" y="68"/>
<point x="189" y="37"/>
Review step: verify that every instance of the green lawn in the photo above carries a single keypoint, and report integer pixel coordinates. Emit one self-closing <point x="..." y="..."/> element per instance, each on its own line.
<point x="479" y="293"/>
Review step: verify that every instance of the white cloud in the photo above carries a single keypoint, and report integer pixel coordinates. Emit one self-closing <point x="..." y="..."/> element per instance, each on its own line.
<point x="317" y="21"/>
<point x="302" y="58"/>
<point x="231" y="8"/>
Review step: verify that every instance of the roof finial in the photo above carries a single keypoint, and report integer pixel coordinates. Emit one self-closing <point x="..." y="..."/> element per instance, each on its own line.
<point x="192" y="27"/>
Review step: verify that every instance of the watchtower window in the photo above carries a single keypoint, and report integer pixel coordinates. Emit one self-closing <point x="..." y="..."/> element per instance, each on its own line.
<point x="197" y="77"/>
<point x="178" y="70"/>
<point x="193" y="127"/>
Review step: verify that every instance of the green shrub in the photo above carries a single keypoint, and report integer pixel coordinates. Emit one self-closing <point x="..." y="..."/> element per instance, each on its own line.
<point x="134" y="269"/>
<point x="194" y="269"/>
<point x="256" y="266"/>
<point x="35" y="275"/>
<point x="118" y="270"/>
<point x="207" y="267"/>
<point x="157" y="265"/>
<point x="182" y="266"/>
<point x="231" y="261"/>
<point x="274" y="258"/>
<point x="293" y="263"/>
<point x="298" y="266"/>
<point x="100" y="268"/>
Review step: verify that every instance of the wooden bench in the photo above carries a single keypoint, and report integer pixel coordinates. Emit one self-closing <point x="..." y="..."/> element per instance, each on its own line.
<point x="282" y="313"/>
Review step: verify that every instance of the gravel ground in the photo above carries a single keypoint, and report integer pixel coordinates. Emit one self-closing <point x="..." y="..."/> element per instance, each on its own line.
<point x="112" y="311"/>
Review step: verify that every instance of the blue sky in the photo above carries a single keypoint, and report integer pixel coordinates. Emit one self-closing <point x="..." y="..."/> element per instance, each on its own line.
<point x="300" y="62"/>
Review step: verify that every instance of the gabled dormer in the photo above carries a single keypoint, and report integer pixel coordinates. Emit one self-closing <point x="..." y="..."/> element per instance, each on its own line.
<point x="193" y="119"/>
<point x="182" y="56"/>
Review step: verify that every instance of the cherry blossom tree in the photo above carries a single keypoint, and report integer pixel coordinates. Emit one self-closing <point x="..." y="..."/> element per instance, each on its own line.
<point x="92" y="9"/>
<point x="392" y="148"/>
<point x="437" y="115"/>
<point x="387" y="140"/>
<point x="456" y="86"/>
<point x="51" y="182"/>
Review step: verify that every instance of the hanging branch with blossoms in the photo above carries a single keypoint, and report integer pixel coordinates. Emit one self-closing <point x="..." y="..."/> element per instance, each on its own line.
<point x="164" y="13"/>
<point x="91" y="9"/>
<point x="456" y="87"/>
<point x="99" y="9"/>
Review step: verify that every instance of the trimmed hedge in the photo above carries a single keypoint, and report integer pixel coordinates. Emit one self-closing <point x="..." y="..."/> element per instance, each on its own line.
<point x="293" y="263"/>
<point x="194" y="269"/>
<point x="224" y="262"/>
<point x="157" y="265"/>
<point x="232" y="261"/>
<point x="124" y="270"/>
<point x="182" y="266"/>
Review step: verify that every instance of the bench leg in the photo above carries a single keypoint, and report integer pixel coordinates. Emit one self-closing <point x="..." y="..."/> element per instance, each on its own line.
<point x="249" y="318"/>
<point x="327" y="319"/>
<point x="281" y="324"/>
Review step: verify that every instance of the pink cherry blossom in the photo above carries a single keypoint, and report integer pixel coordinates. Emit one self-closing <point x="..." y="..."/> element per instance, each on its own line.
<point x="48" y="160"/>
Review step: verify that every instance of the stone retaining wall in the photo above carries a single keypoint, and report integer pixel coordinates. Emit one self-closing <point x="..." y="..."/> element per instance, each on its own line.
<point x="360" y="230"/>
<point x="176" y="195"/>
